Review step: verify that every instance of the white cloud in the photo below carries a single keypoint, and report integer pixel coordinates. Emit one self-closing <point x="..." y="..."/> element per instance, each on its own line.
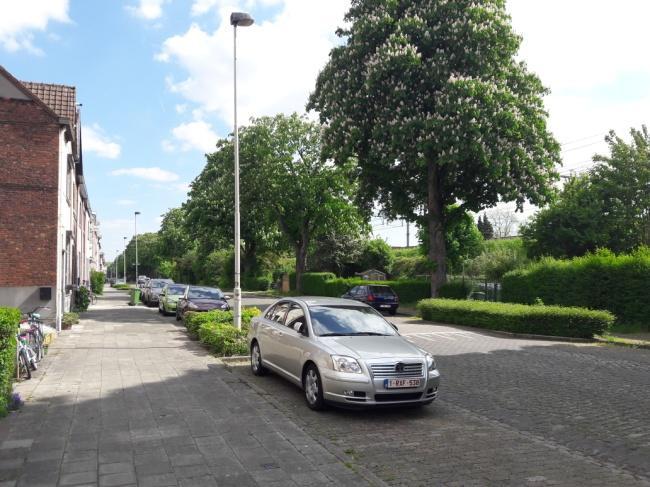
<point x="125" y="202"/>
<point x="19" y="20"/>
<point x="194" y="135"/>
<point x="278" y="59"/>
<point x="181" y="108"/>
<point x="151" y="173"/>
<point x="200" y="7"/>
<point x="167" y="146"/>
<point x="147" y="9"/>
<point x="95" y="140"/>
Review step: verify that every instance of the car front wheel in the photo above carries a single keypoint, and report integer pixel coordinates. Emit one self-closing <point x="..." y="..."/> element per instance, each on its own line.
<point x="313" y="388"/>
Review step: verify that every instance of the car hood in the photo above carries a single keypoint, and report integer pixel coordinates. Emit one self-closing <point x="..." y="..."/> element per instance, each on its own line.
<point x="372" y="347"/>
<point x="173" y="298"/>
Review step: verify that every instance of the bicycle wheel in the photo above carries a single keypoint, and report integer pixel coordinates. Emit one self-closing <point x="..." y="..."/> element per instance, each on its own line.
<point x="23" y="365"/>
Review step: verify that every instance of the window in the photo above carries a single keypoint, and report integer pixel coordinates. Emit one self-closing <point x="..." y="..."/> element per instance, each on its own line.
<point x="279" y="312"/>
<point x="295" y="318"/>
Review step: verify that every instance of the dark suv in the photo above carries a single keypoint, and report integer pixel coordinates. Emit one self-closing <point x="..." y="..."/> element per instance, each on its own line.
<point x="152" y="290"/>
<point x="380" y="297"/>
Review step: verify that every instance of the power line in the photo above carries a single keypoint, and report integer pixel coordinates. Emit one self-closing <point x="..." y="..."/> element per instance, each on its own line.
<point x="601" y="134"/>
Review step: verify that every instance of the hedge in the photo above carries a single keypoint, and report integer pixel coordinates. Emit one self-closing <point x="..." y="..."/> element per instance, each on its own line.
<point x="194" y="320"/>
<point x="620" y="284"/>
<point x="224" y="339"/>
<point x="9" y="320"/>
<point x="518" y="318"/>
<point x="97" y="280"/>
<point x="408" y="290"/>
<point x="257" y="283"/>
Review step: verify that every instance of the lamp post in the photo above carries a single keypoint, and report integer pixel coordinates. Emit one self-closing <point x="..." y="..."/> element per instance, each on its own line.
<point x="237" y="19"/>
<point x="124" y="260"/>
<point x="135" y="224"/>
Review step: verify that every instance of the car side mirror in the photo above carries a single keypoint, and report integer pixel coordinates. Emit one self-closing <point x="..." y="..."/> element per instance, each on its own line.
<point x="227" y="297"/>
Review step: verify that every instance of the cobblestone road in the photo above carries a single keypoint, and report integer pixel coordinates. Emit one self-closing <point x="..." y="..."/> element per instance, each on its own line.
<point x="511" y="412"/>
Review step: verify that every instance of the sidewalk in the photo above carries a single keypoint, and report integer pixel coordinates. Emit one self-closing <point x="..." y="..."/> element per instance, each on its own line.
<point x="125" y="398"/>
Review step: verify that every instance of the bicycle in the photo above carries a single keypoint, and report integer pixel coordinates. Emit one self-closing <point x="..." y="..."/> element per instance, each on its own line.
<point x="35" y="334"/>
<point x="25" y="357"/>
<point x="93" y="297"/>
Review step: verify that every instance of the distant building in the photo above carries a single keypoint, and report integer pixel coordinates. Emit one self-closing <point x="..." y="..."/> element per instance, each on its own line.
<point x="372" y="275"/>
<point x="49" y="236"/>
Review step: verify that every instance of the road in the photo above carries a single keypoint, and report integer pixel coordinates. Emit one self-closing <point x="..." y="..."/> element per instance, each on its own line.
<point x="511" y="411"/>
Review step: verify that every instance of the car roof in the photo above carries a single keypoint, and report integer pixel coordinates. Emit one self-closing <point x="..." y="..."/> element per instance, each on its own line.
<point x="192" y="286"/>
<point x="311" y="301"/>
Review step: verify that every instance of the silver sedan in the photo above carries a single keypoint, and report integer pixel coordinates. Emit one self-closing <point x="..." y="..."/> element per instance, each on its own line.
<point x="341" y="352"/>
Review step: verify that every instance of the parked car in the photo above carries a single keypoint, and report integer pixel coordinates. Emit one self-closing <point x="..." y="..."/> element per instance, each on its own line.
<point x="380" y="297"/>
<point x="169" y="297"/>
<point x="152" y="289"/>
<point x="201" y="298"/>
<point x="342" y="352"/>
<point x="142" y="280"/>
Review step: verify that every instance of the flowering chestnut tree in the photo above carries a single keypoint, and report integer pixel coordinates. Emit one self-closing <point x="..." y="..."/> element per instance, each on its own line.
<point x="430" y="99"/>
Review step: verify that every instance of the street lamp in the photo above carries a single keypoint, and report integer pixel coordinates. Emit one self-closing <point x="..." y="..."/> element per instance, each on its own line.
<point x="237" y="19"/>
<point x="135" y="223"/>
<point x="124" y="260"/>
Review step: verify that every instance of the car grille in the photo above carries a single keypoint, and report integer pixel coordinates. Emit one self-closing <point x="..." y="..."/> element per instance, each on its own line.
<point x="387" y="371"/>
<point x="408" y="396"/>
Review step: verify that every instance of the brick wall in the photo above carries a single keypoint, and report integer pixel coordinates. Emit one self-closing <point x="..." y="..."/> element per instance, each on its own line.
<point x="29" y="148"/>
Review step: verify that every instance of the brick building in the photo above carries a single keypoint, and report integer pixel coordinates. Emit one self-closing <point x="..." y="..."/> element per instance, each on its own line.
<point x="49" y="236"/>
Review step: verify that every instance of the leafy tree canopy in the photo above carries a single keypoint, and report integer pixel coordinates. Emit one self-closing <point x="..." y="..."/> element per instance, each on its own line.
<point x="430" y="98"/>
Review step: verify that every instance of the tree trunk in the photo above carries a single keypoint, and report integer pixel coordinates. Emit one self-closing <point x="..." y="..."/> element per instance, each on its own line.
<point x="436" y="227"/>
<point x="301" y="258"/>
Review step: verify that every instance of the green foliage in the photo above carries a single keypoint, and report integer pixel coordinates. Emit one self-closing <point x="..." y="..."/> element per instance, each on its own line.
<point x="256" y="283"/>
<point x="194" y="320"/>
<point x="603" y="280"/>
<point x="325" y="284"/>
<point x="410" y="266"/>
<point x="9" y="319"/>
<point x="463" y="240"/>
<point x="173" y="238"/>
<point x="377" y="254"/>
<point x="122" y="287"/>
<point x="82" y="299"/>
<point x="69" y="319"/>
<point x="456" y="289"/>
<point x="336" y="250"/>
<point x="497" y="258"/>
<point x="435" y="104"/>
<point x="215" y="329"/>
<point x="97" y="280"/>
<point x="224" y="339"/>
<point x="609" y="207"/>
<point x="148" y="256"/>
<point x="518" y="318"/>
<point x="485" y="227"/>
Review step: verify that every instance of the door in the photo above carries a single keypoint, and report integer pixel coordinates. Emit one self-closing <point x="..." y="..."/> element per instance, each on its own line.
<point x="271" y="330"/>
<point x="291" y="342"/>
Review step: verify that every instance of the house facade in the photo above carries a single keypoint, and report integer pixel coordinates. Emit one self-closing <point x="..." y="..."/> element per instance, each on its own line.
<point x="49" y="236"/>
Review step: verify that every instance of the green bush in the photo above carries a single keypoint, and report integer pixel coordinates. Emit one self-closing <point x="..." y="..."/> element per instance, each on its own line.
<point x="9" y="319"/>
<point x="456" y="289"/>
<point x="617" y="283"/>
<point x="410" y="266"/>
<point x="518" y="318"/>
<point x="224" y="339"/>
<point x="70" y="319"/>
<point x="122" y="287"/>
<point x="377" y="254"/>
<point x="97" y="280"/>
<point x="256" y="283"/>
<point x="194" y="320"/>
<point x="82" y="299"/>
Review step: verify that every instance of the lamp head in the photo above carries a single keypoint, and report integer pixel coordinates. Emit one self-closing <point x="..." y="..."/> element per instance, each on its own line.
<point x="241" y="19"/>
<point x="137" y="212"/>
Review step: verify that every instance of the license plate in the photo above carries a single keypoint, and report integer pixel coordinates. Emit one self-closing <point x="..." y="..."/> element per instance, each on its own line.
<point x="384" y="305"/>
<point x="401" y="383"/>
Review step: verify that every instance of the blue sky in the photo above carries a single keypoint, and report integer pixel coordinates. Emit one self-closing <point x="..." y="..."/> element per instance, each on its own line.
<point x="155" y="80"/>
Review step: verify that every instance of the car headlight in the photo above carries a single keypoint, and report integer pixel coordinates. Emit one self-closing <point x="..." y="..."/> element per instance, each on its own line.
<point x="431" y="362"/>
<point x="224" y="306"/>
<point x="342" y="363"/>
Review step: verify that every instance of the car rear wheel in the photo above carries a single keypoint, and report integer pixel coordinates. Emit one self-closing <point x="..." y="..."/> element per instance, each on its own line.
<point x="313" y="388"/>
<point x="256" y="360"/>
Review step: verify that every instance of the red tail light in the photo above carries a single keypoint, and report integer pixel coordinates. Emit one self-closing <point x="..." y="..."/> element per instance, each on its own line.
<point x="371" y="297"/>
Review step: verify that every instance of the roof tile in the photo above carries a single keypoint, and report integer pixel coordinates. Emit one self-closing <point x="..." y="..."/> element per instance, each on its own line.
<point x="60" y="98"/>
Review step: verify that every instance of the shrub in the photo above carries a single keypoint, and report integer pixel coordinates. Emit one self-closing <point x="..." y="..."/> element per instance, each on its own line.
<point x="97" y="280"/>
<point x="69" y="319"/>
<point x="256" y="283"/>
<point x="617" y="283"/>
<point x="224" y="339"/>
<point x="377" y="254"/>
<point x="82" y="299"/>
<point x="9" y="319"/>
<point x="457" y="289"/>
<point x="194" y="320"/>
<point x="518" y="318"/>
<point x="410" y="266"/>
<point x="122" y="287"/>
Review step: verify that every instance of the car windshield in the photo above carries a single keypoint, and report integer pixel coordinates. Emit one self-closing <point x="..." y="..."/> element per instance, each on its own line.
<point x="204" y="293"/>
<point x="176" y="290"/>
<point x="348" y="321"/>
<point x="158" y="284"/>
<point x="383" y="291"/>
